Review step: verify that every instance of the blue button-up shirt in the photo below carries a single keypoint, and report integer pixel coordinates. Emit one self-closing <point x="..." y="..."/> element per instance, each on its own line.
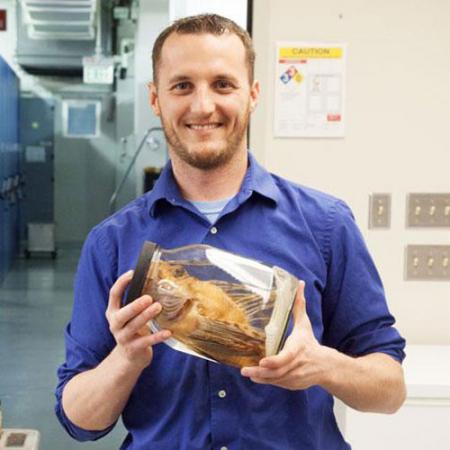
<point x="184" y="402"/>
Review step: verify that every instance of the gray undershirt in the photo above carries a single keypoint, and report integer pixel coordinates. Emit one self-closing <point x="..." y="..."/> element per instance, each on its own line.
<point x="212" y="209"/>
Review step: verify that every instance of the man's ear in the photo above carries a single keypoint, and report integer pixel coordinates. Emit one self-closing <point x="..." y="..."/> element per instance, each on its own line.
<point x="254" y="95"/>
<point x="153" y="98"/>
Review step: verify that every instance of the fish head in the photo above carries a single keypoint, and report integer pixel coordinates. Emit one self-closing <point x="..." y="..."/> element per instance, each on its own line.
<point x="172" y="296"/>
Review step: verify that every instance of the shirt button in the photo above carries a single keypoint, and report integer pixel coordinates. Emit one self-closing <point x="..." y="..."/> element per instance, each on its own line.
<point x="223" y="448"/>
<point x="222" y="394"/>
<point x="213" y="230"/>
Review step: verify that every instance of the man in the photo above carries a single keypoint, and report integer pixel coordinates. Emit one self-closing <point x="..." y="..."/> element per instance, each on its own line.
<point x="342" y="342"/>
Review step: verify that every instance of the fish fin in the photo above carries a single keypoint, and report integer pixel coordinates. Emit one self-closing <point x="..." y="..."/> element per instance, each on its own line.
<point x="218" y="337"/>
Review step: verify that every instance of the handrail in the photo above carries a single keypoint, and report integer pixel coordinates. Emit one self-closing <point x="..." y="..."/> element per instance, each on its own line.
<point x="112" y="202"/>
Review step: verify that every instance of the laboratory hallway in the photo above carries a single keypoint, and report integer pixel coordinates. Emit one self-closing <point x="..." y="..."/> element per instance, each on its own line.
<point x="35" y="306"/>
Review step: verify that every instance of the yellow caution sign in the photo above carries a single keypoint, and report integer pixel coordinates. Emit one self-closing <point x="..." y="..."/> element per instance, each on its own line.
<point x="310" y="52"/>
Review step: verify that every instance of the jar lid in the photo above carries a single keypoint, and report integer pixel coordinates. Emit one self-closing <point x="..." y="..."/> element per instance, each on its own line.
<point x="141" y="270"/>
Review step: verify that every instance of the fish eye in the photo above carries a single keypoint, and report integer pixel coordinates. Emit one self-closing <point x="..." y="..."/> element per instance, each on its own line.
<point x="179" y="271"/>
<point x="167" y="285"/>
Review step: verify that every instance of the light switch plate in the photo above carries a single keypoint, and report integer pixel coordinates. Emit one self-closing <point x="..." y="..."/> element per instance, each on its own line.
<point x="428" y="262"/>
<point x="428" y="210"/>
<point x="380" y="211"/>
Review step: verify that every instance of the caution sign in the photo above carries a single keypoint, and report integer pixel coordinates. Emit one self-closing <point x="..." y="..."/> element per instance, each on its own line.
<point x="309" y="89"/>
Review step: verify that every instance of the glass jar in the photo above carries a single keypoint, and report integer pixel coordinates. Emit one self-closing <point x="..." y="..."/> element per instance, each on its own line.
<point x="218" y="305"/>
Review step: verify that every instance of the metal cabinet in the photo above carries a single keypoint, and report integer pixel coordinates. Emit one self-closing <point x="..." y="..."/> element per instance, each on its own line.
<point x="10" y="167"/>
<point x="37" y="140"/>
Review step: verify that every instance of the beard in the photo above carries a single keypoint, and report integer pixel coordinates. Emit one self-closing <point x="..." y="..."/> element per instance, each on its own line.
<point x="208" y="155"/>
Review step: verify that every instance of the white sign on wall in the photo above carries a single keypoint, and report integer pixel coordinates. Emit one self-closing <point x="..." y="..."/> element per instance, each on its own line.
<point x="98" y="70"/>
<point x="309" y="90"/>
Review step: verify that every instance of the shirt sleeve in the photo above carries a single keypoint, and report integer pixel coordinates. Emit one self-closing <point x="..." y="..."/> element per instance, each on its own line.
<point x="87" y="337"/>
<point x="356" y="317"/>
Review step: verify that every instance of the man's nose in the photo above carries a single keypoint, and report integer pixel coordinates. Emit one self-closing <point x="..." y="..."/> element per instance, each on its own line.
<point x="203" y="101"/>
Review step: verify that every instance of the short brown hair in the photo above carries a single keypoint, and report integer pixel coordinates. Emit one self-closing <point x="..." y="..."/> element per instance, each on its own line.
<point x="204" y="23"/>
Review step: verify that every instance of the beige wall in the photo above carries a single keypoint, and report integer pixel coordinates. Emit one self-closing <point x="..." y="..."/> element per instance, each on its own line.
<point x="397" y="121"/>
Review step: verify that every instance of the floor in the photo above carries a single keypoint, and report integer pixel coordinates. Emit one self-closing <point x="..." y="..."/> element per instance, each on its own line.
<point x="35" y="305"/>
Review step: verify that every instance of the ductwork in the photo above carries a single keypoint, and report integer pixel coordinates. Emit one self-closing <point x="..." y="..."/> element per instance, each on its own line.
<point x="54" y="35"/>
<point x="59" y="19"/>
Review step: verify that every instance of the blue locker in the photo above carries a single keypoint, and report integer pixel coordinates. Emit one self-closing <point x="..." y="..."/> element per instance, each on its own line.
<point x="10" y="166"/>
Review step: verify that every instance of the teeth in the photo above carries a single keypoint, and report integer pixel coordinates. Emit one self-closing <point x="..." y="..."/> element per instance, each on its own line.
<point x="207" y="126"/>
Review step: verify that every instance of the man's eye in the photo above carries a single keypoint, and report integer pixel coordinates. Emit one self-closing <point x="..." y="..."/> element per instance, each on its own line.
<point x="223" y="84"/>
<point x="182" y="86"/>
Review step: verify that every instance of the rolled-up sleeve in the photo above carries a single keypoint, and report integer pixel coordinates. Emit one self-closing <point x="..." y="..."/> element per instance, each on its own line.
<point x="87" y="337"/>
<point x="356" y="316"/>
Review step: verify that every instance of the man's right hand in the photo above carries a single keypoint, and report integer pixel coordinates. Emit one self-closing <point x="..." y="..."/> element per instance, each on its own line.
<point x="129" y="327"/>
<point x="87" y="399"/>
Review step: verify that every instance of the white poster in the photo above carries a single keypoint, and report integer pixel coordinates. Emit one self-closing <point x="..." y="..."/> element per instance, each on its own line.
<point x="309" y="90"/>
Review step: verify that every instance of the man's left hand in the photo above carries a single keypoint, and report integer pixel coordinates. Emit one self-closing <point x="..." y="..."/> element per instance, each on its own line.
<point x="302" y="361"/>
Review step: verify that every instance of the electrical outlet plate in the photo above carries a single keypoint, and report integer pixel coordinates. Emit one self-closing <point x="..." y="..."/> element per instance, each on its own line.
<point x="380" y="211"/>
<point x="428" y="262"/>
<point x="428" y="210"/>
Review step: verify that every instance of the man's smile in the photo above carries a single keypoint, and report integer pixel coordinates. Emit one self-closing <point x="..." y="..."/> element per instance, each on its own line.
<point x="204" y="126"/>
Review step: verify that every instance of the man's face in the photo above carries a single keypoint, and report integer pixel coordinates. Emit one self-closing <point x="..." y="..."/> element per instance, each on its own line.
<point x="204" y="97"/>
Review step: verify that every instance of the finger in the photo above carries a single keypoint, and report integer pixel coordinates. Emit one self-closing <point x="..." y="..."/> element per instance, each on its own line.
<point x="260" y="372"/>
<point x="153" y="339"/>
<point x="135" y="325"/>
<point x="118" y="289"/>
<point x="149" y="340"/>
<point x="284" y="358"/>
<point x="284" y="380"/>
<point x="258" y="378"/>
<point x="159" y="336"/>
<point x="269" y="374"/>
<point x="120" y="318"/>
<point x="254" y="373"/>
<point x="249" y="371"/>
<point x="144" y="330"/>
<point x="300" y="303"/>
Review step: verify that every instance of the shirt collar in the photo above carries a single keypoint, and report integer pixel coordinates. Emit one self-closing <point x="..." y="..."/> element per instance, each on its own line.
<point x="257" y="179"/>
